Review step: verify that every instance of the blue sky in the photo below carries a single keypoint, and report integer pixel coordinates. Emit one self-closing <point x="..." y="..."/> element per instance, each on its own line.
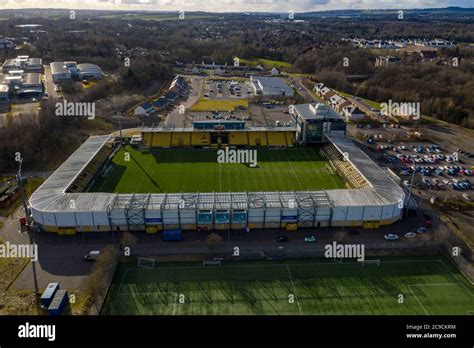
<point x="233" y="5"/>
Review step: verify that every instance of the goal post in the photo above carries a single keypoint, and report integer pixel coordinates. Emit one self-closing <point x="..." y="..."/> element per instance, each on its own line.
<point x="211" y="263"/>
<point x="370" y="262"/>
<point x="144" y="262"/>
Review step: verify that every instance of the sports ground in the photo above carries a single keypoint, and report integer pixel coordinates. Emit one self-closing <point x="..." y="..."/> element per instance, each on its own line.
<point x="197" y="170"/>
<point x="429" y="285"/>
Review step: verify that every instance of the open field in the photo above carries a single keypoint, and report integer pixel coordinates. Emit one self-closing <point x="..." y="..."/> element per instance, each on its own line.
<point x="267" y="63"/>
<point x="193" y="170"/>
<point x="429" y="285"/>
<point x="218" y="104"/>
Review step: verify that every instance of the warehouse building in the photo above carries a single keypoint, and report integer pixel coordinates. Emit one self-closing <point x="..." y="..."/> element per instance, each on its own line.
<point x="5" y="43"/>
<point x="314" y="121"/>
<point x="271" y="86"/>
<point x="62" y="71"/>
<point x="24" y="63"/>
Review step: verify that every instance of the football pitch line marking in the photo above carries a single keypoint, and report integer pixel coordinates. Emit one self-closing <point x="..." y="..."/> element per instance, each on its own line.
<point x="418" y="300"/>
<point x="294" y="171"/>
<point x="174" y="303"/>
<point x="294" y="290"/>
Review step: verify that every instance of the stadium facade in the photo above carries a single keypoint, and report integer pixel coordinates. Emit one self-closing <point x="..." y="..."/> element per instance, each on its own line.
<point x="63" y="205"/>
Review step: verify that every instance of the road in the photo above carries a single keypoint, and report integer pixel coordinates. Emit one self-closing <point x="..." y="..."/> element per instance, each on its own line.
<point x="179" y="119"/>
<point x="61" y="257"/>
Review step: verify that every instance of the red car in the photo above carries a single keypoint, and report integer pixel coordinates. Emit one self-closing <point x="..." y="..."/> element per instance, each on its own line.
<point x="427" y="220"/>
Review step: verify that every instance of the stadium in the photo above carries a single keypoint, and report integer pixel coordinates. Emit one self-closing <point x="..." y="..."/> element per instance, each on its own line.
<point x="308" y="176"/>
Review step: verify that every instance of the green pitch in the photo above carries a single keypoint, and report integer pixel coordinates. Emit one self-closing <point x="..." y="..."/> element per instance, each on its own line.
<point x="197" y="170"/>
<point x="429" y="285"/>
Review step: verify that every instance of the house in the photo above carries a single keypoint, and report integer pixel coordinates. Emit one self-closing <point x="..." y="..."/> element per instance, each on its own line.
<point x="178" y="84"/>
<point x="352" y="113"/>
<point x="327" y="93"/>
<point x="161" y="103"/>
<point x="318" y="88"/>
<point x="334" y="99"/>
<point x="275" y="72"/>
<point x="271" y="86"/>
<point x="260" y="67"/>
<point x="386" y="60"/>
<point x="145" y="109"/>
<point x="341" y="104"/>
<point x="195" y="70"/>
<point x="427" y="54"/>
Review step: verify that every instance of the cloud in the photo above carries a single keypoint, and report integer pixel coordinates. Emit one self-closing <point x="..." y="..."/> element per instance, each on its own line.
<point x="232" y="5"/>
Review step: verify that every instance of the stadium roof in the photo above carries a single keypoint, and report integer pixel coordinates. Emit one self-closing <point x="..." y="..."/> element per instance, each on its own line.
<point x="51" y="195"/>
<point x="384" y="189"/>
<point x="315" y="111"/>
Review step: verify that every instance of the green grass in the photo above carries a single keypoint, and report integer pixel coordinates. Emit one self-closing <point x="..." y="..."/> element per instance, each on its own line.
<point x="267" y="63"/>
<point x="429" y="285"/>
<point x="218" y="104"/>
<point x="369" y="102"/>
<point x="193" y="170"/>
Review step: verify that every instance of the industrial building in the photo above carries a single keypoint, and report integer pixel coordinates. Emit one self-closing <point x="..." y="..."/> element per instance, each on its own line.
<point x="24" y="63"/>
<point x="20" y="84"/>
<point x="271" y="86"/>
<point x="62" y="71"/>
<point x="315" y="121"/>
<point x="63" y="205"/>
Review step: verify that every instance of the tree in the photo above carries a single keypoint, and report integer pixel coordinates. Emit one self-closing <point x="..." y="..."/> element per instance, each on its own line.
<point x="213" y="240"/>
<point x="128" y="240"/>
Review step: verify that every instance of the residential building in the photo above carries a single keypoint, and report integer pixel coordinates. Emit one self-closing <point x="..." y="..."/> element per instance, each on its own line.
<point x="352" y="113"/>
<point x="275" y="72"/>
<point x="386" y="60"/>
<point x="145" y="109"/>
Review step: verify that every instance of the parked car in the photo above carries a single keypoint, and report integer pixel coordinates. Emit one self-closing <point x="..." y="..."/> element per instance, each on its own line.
<point x="421" y="230"/>
<point x="282" y="239"/>
<point x="410" y="235"/>
<point x="92" y="255"/>
<point x="310" y="239"/>
<point x="391" y="236"/>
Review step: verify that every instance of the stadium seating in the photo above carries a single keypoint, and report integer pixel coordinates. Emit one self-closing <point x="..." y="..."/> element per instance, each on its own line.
<point x="352" y="176"/>
<point x="81" y="183"/>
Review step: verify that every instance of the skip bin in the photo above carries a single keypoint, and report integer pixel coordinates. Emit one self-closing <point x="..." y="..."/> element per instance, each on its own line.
<point x="48" y="294"/>
<point x="58" y="303"/>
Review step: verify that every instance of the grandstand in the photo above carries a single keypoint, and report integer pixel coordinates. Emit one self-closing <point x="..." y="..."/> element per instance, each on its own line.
<point x="371" y="198"/>
<point x="191" y="137"/>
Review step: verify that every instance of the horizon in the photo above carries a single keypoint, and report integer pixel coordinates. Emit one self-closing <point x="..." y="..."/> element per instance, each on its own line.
<point x="235" y="6"/>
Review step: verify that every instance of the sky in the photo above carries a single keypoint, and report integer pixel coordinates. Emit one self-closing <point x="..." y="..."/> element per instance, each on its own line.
<point x="233" y="5"/>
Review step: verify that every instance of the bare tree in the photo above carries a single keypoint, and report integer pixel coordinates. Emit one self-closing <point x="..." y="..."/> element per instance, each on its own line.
<point x="213" y="240"/>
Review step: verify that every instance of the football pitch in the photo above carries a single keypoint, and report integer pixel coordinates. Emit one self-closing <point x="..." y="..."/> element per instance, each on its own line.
<point x="398" y="286"/>
<point x="197" y="170"/>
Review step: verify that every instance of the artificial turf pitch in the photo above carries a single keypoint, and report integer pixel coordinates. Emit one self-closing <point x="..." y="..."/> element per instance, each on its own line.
<point x="429" y="285"/>
<point x="197" y="170"/>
